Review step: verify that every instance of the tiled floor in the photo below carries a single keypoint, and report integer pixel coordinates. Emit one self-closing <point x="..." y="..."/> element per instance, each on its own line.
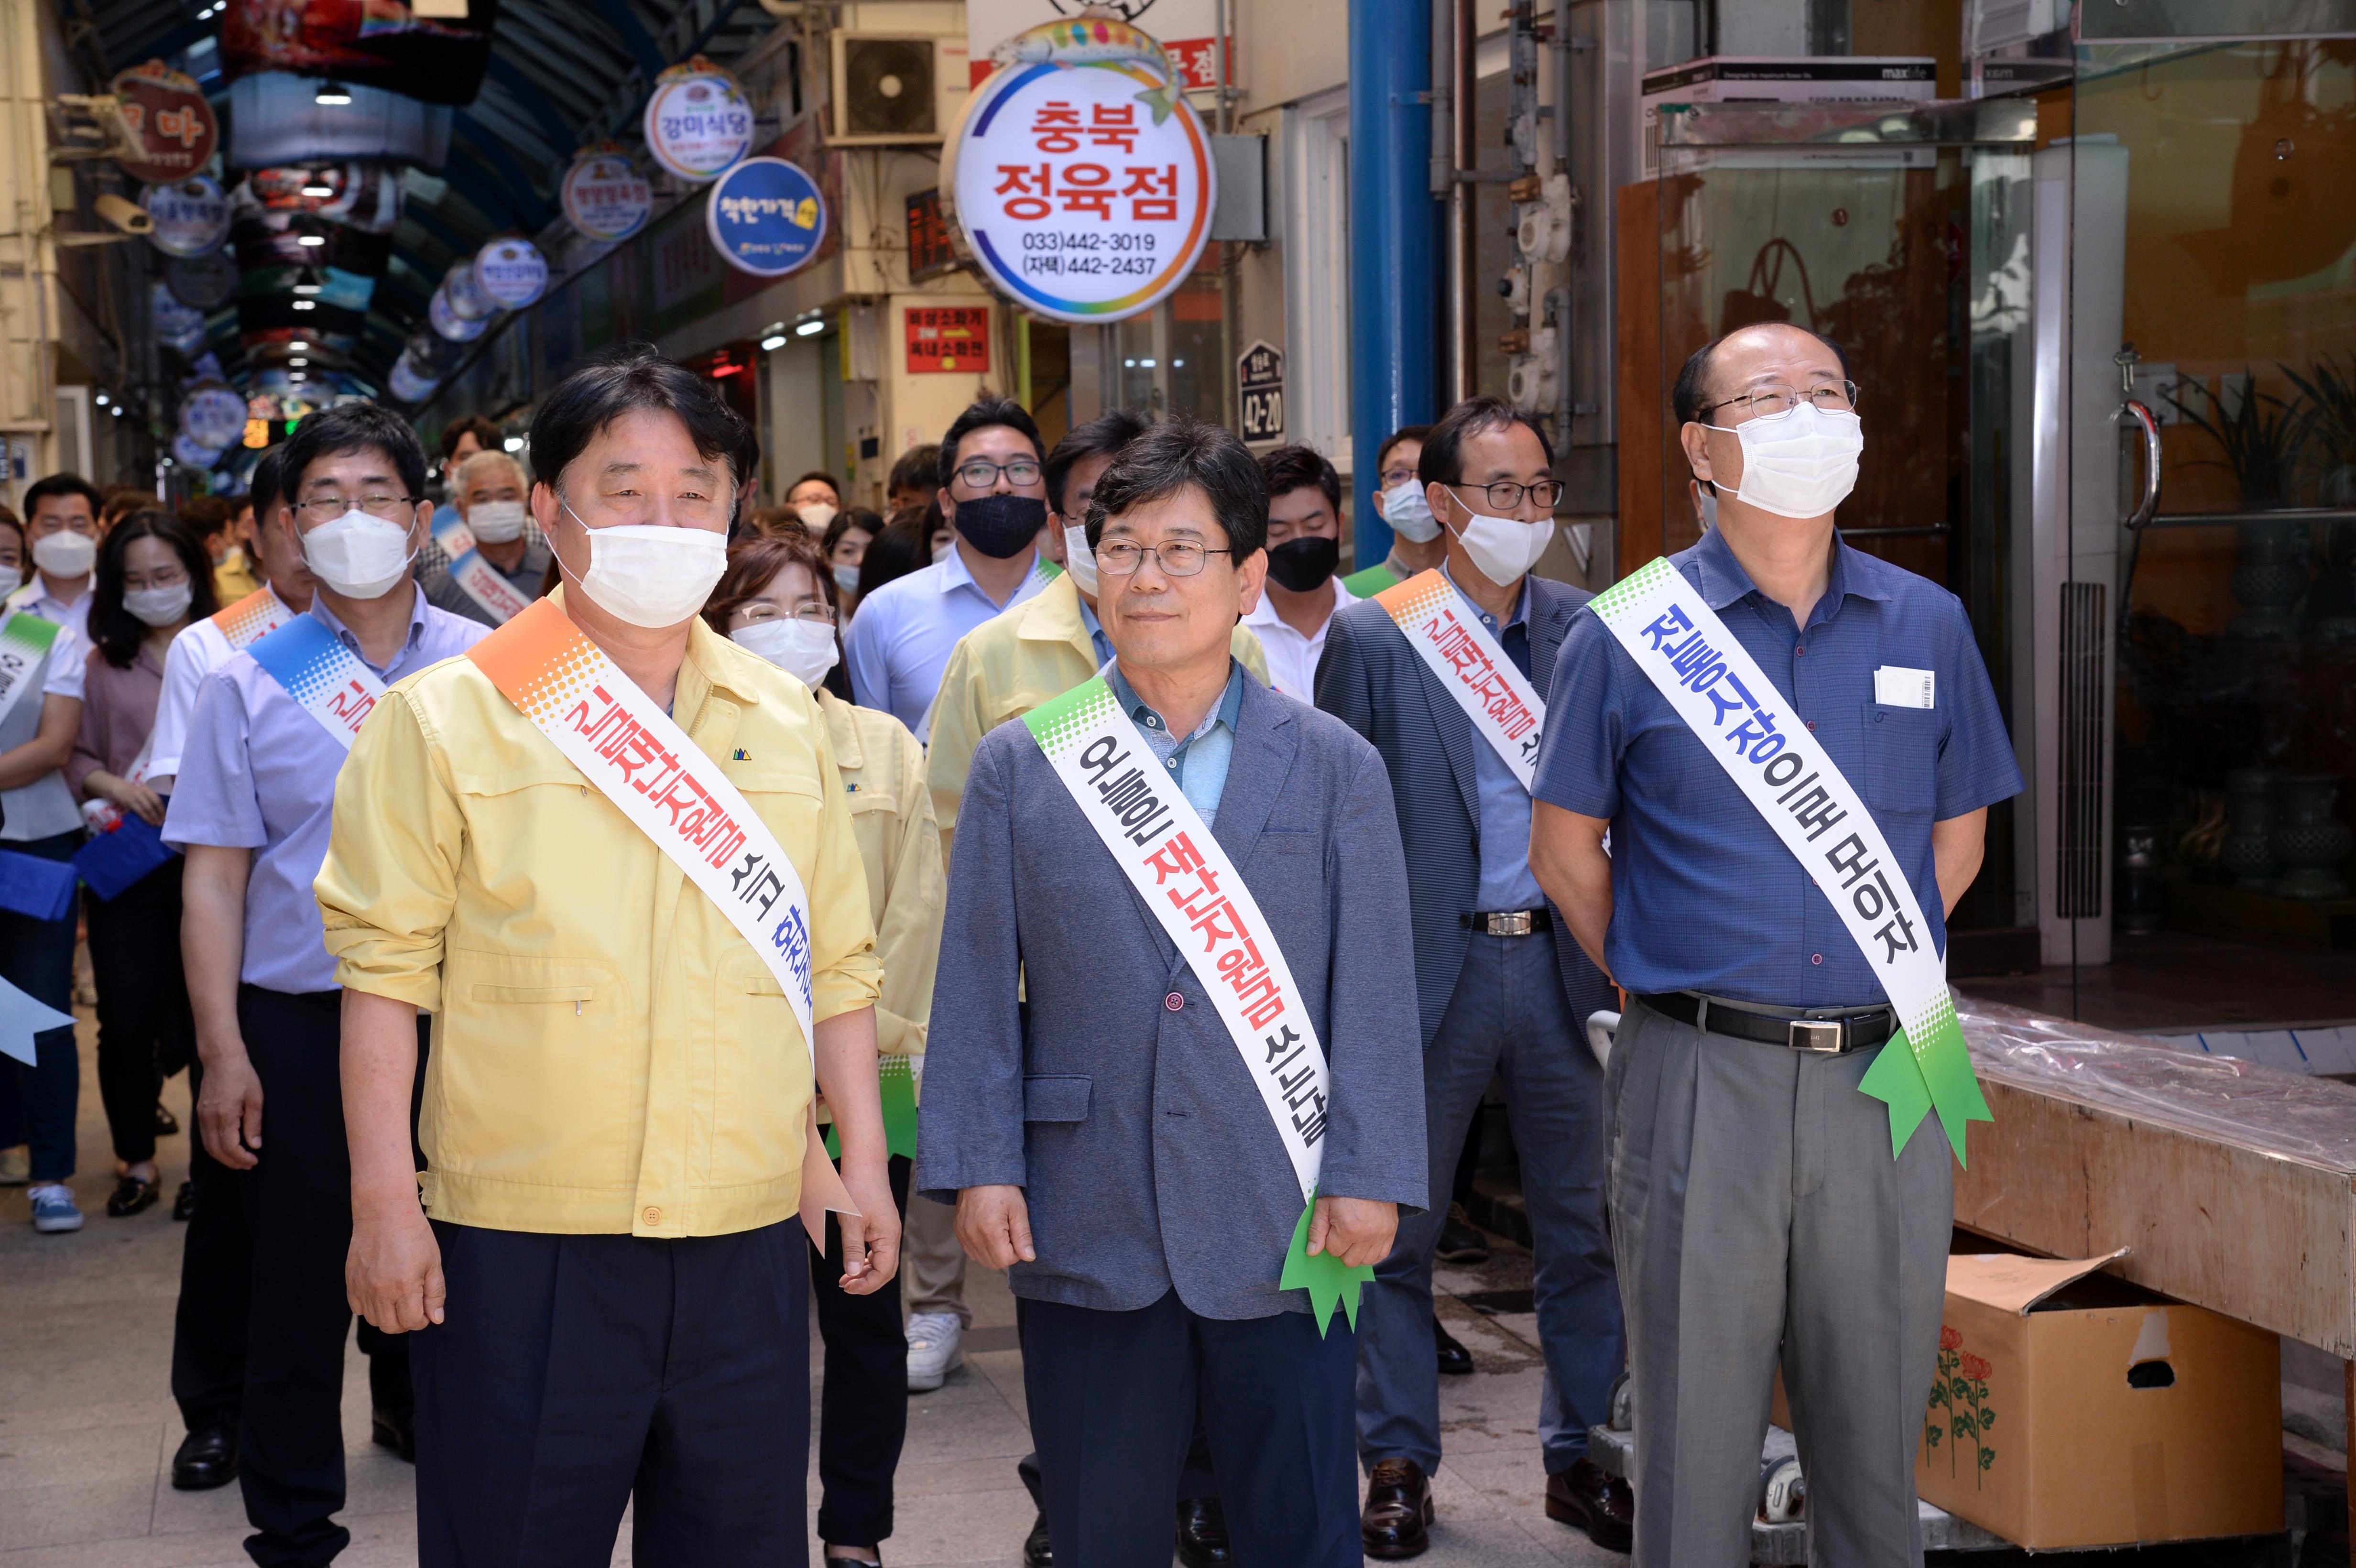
<point x="87" y="1425"/>
<point x="2172" y="982"/>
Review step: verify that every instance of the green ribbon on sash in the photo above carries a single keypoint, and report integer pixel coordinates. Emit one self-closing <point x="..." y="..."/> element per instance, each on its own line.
<point x="1329" y="1282"/>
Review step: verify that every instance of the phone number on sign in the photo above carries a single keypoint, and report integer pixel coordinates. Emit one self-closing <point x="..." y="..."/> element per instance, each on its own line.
<point x="1089" y="266"/>
<point x="1072" y="240"/>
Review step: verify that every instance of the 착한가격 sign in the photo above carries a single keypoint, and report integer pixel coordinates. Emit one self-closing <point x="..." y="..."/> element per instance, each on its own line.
<point x="954" y="337"/>
<point x="1260" y="393"/>
<point x="766" y="216"/>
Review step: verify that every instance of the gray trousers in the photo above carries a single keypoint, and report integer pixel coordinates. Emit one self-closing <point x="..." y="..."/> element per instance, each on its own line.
<point x="1508" y="1016"/>
<point x="932" y="1263"/>
<point x="1758" y="1212"/>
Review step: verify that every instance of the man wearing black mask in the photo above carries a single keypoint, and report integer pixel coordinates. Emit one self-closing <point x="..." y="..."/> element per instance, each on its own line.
<point x="994" y="492"/>
<point x="1304" y="545"/>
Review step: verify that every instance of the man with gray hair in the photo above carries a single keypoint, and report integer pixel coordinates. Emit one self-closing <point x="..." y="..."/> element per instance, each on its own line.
<point x="493" y="559"/>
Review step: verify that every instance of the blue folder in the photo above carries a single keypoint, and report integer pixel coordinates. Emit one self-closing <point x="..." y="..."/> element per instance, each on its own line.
<point x="42" y="890"/>
<point x="112" y="862"/>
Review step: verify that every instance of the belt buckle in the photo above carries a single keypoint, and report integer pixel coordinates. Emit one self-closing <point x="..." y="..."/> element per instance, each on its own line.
<point x="1516" y="922"/>
<point x="1820" y="1035"/>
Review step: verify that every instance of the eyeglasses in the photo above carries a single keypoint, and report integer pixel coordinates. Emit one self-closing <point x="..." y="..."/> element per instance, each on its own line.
<point x="1179" y="558"/>
<point x="1772" y="402"/>
<point x="1504" y="495"/>
<point x="980" y="473"/>
<point x="815" y="611"/>
<point x="170" y="577"/>
<point x="1397" y="475"/>
<point x="326" y="509"/>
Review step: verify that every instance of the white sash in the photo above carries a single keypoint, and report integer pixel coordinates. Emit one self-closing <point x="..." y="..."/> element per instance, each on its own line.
<point x="476" y="577"/>
<point x="325" y="679"/>
<point x="25" y="643"/>
<point x="1717" y="689"/>
<point x="1168" y="855"/>
<point x="1505" y="708"/>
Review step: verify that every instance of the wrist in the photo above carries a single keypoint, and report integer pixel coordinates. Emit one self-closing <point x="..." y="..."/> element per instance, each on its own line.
<point x="376" y="1199"/>
<point x="220" y="1050"/>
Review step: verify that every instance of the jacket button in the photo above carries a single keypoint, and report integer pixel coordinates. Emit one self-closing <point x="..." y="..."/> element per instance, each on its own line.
<point x="1815" y="957"/>
<point x="653" y="1216"/>
<point x="1174" y="1001"/>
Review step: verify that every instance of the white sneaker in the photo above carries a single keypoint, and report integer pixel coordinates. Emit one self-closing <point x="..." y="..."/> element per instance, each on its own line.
<point x="53" y="1208"/>
<point x="936" y="1349"/>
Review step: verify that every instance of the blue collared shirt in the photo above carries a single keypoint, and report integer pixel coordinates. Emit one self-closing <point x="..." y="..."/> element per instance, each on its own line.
<point x="900" y="637"/>
<point x="259" y="772"/>
<point x="1200" y="761"/>
<point x="1507" y="880"/>
<point x="1096" y="638"/>
<point x="1705" y="897"/>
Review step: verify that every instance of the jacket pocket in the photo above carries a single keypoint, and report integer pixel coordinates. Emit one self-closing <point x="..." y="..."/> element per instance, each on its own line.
<point x="1901" y="758"/>
<point x="536" y="1071"/>
<point x="1057" y="1097"/>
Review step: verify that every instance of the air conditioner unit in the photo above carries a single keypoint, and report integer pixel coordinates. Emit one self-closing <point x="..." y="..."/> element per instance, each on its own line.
<point x="891" y="87"/>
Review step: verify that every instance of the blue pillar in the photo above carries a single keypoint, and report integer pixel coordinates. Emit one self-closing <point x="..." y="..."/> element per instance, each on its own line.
<point x="1394" y="242"/>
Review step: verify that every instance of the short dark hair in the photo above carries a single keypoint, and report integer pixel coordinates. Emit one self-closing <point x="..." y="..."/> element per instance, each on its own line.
<point x="980" y="414"/>
<point x="1418" y="434"/>
<point x="1186" y="454"/>
<point x="57" y="484"/>
<point x="352" y="427"/>
<point x="485" y="432"/>
<point x="904" y="546"/>
<point x="1290" y="468"/>
<point x="823" y="477"/>
<point x="1689" y="396"/>
<point x="115" y="630"/>
<point x="206" y="516"/>
<point x="1103" y="436"/>
<point x="261" y="487"/>
<point x="1443" y="449"/>
<point x="637" y="378"/>
<point x="918" y="468"/>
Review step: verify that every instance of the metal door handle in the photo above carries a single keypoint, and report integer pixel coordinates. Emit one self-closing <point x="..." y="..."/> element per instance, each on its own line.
<point x="2136" y="520"/>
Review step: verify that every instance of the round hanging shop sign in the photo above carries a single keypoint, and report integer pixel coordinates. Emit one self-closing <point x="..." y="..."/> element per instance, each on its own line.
<point x="179" y="325"/>
<point x="169" y="115"/>
<point x="205" y="282"/>
<point x="699" y="120"/>
<point x="213" y="416"/>
<point x="766" y="216"/>
<point x="605" y="196"/>
<point x="192" y="216"/>
<point x="407" y="384"/>
<point x="190" y="452"/>
<point x="450" y="324"/>
<point x="461" y="293"/>
<point x="512" y="272"/>
<point x="1082" y="190"/>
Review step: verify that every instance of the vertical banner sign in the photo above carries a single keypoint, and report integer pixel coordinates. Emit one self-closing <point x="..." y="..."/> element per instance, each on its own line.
<point x="1082" y="188"/>
<point x="697" y="121"/>
<point x="765" y="216"/>
<point x="930" y="251"/>
<point x="1260" y="393"/>
<point x="947" y="338"/>
<point x="605" y="196"/>
<point x="173" y="119"/>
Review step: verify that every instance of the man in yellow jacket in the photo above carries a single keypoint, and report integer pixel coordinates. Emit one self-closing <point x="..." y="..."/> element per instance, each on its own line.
<point x="536" y="843"/>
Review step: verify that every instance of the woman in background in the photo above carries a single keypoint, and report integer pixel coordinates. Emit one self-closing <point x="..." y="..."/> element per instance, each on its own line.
<point x="153" y="578"/>
<point x="905" y="545"/>
<point x="778" y="600"/>
<point x="844" y="546"/>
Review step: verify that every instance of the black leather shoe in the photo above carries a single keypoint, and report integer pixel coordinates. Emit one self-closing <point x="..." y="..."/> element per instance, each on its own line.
<point x="1397" y="1520"/>
<point x="130" y="1196"/>
<point x="184" y="1207"/>
<point x="1203" y="1534"/>
<point x="1038" y="1552"/>
<point x="394" y="1429"/>
<point x="206" y="1458"/>
<point x="1455" y="1361"/>
<point x="167" y="1124"/>
<point x="1604" y="1506"/>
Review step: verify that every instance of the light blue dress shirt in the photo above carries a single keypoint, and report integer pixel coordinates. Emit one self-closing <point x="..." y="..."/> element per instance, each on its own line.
<point x="1200" y="761"/>
<point x="1507" y="880"/>
<point x="1097" y="637"/>
<point x="259" y="772"/>
<point x="901" y="636"/>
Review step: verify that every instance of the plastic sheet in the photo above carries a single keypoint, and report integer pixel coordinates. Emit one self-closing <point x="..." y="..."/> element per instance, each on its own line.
<point x="2285" y="1115"/>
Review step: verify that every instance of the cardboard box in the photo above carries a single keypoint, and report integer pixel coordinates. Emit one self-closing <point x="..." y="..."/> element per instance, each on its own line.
<point x="2073" y="1409"/>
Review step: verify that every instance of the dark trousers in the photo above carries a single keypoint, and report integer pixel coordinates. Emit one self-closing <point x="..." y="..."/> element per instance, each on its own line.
<point x="576" y="1375"/>
<point x="863" y="1411"/>
<point x="37" y="1103"/>
<point x="1114" y="1399"/>
<point x="145" y="1031"/>
<point x="208" y="1325"/>
<point x="298" y="1215"/>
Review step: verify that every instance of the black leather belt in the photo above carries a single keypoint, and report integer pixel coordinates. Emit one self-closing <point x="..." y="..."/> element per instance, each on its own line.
<point x="1828" y="1030"/>
<point x="1510" y="922"/>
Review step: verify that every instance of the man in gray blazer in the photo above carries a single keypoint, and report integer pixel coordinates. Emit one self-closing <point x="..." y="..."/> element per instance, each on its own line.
<point x="1500" y="986"/>
<point x="1098" y="1127"/>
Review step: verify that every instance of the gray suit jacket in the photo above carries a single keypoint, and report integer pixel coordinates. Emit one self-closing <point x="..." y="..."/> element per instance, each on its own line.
<point x="1373" y="681"/>
<point x="1141" y="1142"/>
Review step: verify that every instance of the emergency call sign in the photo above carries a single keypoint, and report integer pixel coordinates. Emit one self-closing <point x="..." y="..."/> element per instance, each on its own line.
<point x="947" y="338"/>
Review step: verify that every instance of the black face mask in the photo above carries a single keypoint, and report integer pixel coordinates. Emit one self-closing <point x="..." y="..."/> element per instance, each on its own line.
<point x="1300" y="565"/>
<point x="1000" y="525"/>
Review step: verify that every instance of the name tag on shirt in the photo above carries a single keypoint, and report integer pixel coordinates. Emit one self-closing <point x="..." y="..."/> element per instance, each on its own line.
<point x="1895" y="685"/>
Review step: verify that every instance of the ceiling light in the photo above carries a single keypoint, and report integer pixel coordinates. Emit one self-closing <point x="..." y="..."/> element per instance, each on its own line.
<point x="102" y="400"/>
<point x="298" y="346"/>
<point x="773" y="343"/>
<point x="332" y="95"/>
<point x="515" y="443"/>
<point x="298" y="361"/>
<point x="319" y="190"/>
<point x="307" y="304"/>
<point x="297" y="376"/>
<point x="310" y="240"/>
<point x="116" y="410"/>
<point x="808" y="327"/>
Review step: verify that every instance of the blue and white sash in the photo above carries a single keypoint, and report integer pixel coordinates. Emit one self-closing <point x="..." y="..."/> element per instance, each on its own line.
<point x="477" y="578"/>
<point x="325" y="679"/>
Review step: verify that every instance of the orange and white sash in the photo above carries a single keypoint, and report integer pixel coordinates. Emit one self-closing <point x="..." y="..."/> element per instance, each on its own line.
<point x="1505" y="708"/>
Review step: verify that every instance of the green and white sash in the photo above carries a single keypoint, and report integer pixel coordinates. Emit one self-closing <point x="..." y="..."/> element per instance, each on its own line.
<point x="25" y="643"/>
<point x="1716" y="686"/>
<point x="1167" y="852"/>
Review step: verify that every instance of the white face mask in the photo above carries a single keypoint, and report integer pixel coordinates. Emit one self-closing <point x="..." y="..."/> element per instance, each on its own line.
<point x="816" y="515"/>
<point x="1799" y="465"/>
<point x="1080" y="560"/>
<point x="11" y="579"/>
<point x="65" y="554"/>
<point x="1504" y="549"/>
<point x="495" y="522"/>
<point x="803" y="649"/>
<point x="846" y="577"/>
<point x="650" y="575"/>
<point x="159" y="606"/>
<point x="1408" y="514"/>
<point x="1708" y="509"/>
<point x="357" y="555"/>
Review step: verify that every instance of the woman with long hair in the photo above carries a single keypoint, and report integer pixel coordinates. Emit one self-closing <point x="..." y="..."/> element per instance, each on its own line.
<point x="153" y="578"/>
<point x="844" y="547"/>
